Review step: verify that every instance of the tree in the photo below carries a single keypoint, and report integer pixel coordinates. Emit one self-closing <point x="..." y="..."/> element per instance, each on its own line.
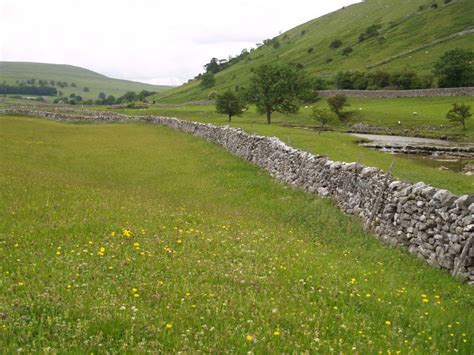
<point x="212" y="66"/>
<point x="278" y="87"/>
<point x="323" y="116"/>
<point x="459" y="113"/>
<point x="337" y="103"/>
<point x="110" y="100"/>
<point x="86" y="89"/>
<point x="455" y="68"/>
<point x="130" y="96"/>
<point x="230" y="104"/>
<point x="208" y="80"/>
<point x="102" y="96"/>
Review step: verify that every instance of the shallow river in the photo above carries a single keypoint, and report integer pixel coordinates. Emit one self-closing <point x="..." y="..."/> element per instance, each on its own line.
<point x="436" y="153"/>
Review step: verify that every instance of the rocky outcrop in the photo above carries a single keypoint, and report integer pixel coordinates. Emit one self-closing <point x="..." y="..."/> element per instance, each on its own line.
<point x="433" y="224"/>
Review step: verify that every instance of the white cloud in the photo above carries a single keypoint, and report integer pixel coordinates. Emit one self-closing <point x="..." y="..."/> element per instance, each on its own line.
<point x="163" y="42"/>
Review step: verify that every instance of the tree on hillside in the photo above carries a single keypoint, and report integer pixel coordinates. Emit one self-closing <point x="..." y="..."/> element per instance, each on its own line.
<point x="102" y="96"/>
<point x="278" y="87"/>
<point x="460" y="113"/>
<point x="230" y="104"/>
<point x="212" y="66"/>
<point x="337" y="103"/>
<point x="455" y="68"/>
<point x="208" y="80"/>
<point x="86" y="89"/>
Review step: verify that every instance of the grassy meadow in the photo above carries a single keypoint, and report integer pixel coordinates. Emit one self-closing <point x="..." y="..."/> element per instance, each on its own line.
<point x="430" y="121"/>
<point x="134" y="238"/>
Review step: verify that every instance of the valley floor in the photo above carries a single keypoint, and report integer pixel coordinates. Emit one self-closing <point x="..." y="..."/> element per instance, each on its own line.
<point x="133" y="237"/>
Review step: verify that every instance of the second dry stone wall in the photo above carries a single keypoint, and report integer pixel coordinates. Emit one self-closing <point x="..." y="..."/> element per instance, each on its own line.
<point x="433" y="224"/>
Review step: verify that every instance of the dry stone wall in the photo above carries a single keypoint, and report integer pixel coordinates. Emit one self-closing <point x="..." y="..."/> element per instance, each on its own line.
<point x="433" y="224"/>
<point x="390" y="94"/>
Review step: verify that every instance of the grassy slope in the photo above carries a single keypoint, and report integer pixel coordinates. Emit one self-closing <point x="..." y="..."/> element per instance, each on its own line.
<point x="22" y="71"/>
<point x="404" y="28"/>
<point x="231" y="260"/>
<point x="338" y="146"/>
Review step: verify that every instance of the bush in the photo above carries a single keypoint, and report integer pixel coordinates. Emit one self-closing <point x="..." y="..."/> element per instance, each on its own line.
<point x="371" y="31"/>
<point x="336" y="104"/>
<point x="310" y="50"/>
<point x="86" y="89"/>
<point x="346" y="51"/>
<point x="323" y="116"/>
<point x="335" y="44"/>
<point x="460" y="113"/>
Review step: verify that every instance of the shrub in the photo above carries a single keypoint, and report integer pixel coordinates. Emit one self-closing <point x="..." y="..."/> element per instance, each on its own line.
<point x="371" y="31"/>
<point x="86" y="89"/>
<point x="337" y="103"/>
<point x="346" y="51"/>
<point x="321" y="115"/>
<point x="310" y="50"/>
<point x="335" y="44"/>
<point x="459" y="113"/>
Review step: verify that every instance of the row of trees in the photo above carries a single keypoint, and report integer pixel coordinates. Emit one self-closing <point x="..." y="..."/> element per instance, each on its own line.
<point x="45" y="82"/>
<point x="104" y="99"/>
<point x="27" y="90"/>
<point x="453" y="69"/>
<point x="404" y="80"/>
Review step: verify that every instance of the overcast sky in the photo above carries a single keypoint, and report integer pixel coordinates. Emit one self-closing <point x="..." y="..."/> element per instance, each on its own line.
<point x="159" y="42"/>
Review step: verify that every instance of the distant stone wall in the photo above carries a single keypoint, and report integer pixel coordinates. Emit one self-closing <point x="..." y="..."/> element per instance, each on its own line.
<point x="391" y="94"/>
<point x="431" y="223"/>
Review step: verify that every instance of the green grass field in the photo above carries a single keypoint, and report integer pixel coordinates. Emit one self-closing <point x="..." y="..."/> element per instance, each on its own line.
<point x="342" y="147"/>
<point x="10" y="72"/>
<point x="134" y="238"/>
<point x="409" y="36"/>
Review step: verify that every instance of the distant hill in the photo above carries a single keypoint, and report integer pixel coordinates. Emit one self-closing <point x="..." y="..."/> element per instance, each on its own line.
<point x="412" y="34"/>
<point x="11" y="72"/>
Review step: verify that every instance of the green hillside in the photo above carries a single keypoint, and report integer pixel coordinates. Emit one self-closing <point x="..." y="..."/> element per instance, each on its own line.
<point x="413" y="35"/>
<point x="11" y="72"/>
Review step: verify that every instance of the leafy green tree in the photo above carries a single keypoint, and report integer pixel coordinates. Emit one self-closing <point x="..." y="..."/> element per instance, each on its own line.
<point x="321" y="115"/>
<point x="455" y="68"/>
<point x="142" y="95"/>
<point x="337" y="103"/>
<point x="459" y="113"/>
<point x="130" y="96"/>
<point x="102" y="96"/>
<point x="110" y="100"/>
<point x="212" y="66"/>
<point x="208" y="80"/>
<point x="86" y="89"/>
<point x="278" y="87"/>
<point x="230" y="104"/>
